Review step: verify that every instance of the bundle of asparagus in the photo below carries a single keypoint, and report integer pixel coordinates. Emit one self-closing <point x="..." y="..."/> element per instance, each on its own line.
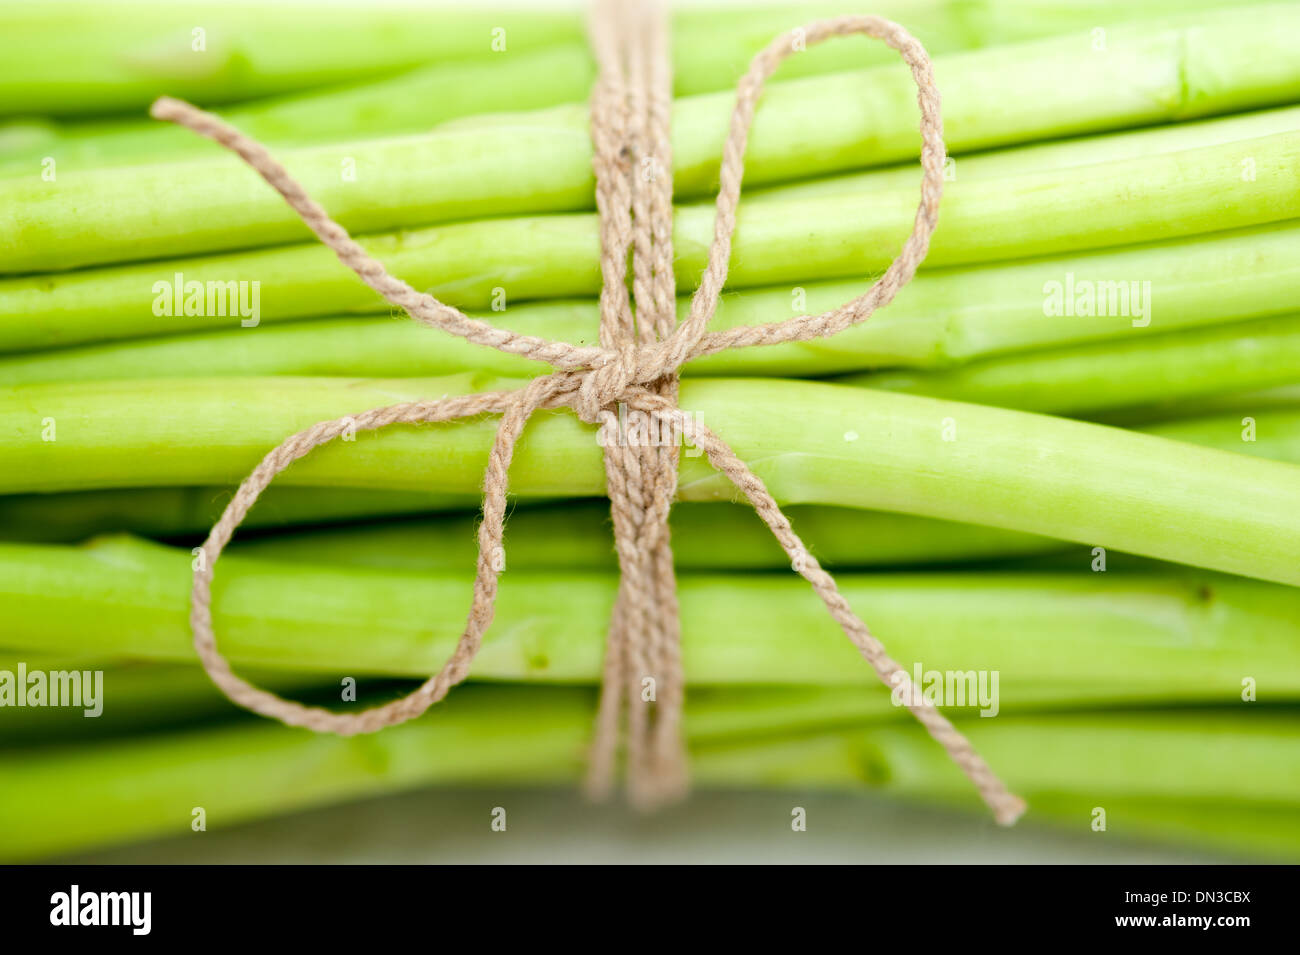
<point x="1062" y="465"/>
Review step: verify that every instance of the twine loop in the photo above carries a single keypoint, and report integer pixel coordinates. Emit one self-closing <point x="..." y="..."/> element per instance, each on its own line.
<point x="637" y="364"/>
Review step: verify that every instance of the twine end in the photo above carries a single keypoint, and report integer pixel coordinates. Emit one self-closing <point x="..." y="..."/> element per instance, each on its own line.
<point x="658" y="795"/>
<point x="598" y="790"/>
<point x="166" y="108"/>
<point x="1008" y="813"/>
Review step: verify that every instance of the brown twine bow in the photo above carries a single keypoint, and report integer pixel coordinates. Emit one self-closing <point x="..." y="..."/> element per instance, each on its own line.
<point x="636" y="365"/>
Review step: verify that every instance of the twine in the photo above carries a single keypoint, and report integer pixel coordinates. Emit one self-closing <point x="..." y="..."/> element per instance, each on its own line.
<point x="636" y="364"/>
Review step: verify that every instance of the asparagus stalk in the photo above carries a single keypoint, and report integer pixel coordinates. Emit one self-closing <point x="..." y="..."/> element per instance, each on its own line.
<point x="147" y="696"/>
<point x="478" y="264"/>
<point x="1095" y="377"/>
<point x="412" y="102"/>
<point x="1138" y="790"/>
<point x="1059" y="154"/>
<point x="842" y="536"/>
<point x="811" y="443"/>
<point x="1137" y="80"/>
<point x="706" y="536"/>
<point x="542" y="162"/>
<point x="371" y="186"/>
<point x="135" y="696"/>
<point x="711" y="50"/>
<point x="86" y="57"/>
<point x="253" y="771"/>
<point x="941" y="318"/>
<point x="1261" y="431"/>
<point x="576" y="536"/>
<point x="725" y="537"/>
<point x="1267" y="832"/>
<point x="1184" y="636"/>
<point x="255" y="51"/>
<point x="177" y="511"/>
<point x="1252" y="401"/>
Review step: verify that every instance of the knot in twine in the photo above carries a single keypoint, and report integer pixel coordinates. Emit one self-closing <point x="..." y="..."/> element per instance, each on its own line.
<point x="636" y="364"/>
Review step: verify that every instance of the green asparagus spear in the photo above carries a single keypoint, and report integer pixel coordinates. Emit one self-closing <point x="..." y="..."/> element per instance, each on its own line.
<point x="541" y="162"/>
<point x="496" y="261"/>
<point x="943" y="317"/>
<point x="811" y="443"/>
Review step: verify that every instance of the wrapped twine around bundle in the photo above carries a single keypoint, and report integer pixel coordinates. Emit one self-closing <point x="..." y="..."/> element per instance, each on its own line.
<point x="636" y="365"/>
